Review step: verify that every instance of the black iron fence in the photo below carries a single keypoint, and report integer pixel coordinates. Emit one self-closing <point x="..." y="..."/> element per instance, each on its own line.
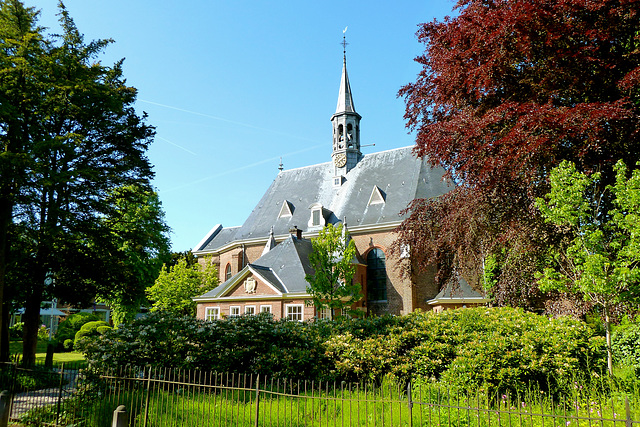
<point x="164" y="397"/>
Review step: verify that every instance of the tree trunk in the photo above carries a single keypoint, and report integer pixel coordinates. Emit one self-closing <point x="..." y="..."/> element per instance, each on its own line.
<point x="5" y="221"/>
<point x="31" y="319"/>
<point x="5" y="352"/>
<point x="607" y="325"/>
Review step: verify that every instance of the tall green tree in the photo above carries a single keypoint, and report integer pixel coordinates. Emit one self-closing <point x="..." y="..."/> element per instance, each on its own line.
<point x="332" y="258"/>
<point x="176" y="285"/>
<point x="508" y="89"/>
<point x="139" y="241"/>
<point x="70" y="136"/>
<point x="601" y="260"/>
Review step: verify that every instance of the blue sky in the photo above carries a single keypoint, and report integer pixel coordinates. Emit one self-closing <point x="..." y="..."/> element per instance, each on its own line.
<point x="231" y="86"/>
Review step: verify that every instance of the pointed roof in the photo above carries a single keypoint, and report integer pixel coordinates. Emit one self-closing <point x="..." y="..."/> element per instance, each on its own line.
<point x="457" y="290"/>
<point x="345" y="99"/>
<point x="271" y="242"/>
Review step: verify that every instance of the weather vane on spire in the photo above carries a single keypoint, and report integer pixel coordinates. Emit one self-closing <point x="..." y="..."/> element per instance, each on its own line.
<point x="344" y="41"/>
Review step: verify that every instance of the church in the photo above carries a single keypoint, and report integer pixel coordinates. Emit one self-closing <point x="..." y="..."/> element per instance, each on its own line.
<point x="263" y="263"/>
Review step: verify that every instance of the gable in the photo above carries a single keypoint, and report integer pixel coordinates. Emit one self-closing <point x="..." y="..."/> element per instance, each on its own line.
<point x="251" y="286"/>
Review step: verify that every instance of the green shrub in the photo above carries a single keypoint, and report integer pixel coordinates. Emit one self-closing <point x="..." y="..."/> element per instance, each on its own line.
<point x="500" y="349"/>
<point x="626" y="346"/>
<point x="90" y="330"/>
<point x="68" y="328"/>
<point x="15" y="331"/>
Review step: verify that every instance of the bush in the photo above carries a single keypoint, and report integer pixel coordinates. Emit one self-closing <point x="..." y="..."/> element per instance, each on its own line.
<point x="626" y="346"/>
<point x="15" y="331"/>
<point x="68" y="328"/>
<point x="90" y="330"/>
<point x="499" y="349"/>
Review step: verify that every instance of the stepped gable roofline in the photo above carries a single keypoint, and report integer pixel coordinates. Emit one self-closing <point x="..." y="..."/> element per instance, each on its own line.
<point x="302" y="187"/>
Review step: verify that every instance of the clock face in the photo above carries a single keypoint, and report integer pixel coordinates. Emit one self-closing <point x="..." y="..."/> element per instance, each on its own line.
<point x="340" y="160"/>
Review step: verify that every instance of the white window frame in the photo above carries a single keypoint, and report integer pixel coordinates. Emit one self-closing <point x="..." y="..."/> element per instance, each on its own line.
<point x="325" y="313"/>
<point x="208" y="313"/>
<point x="247" y="307"/>
<point x="288" y="315"/>
<point x="232" y="309"/>
<point x="266" y="309"/>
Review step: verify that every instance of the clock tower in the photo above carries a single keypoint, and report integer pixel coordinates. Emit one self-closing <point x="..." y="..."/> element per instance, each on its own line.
<point x="346" y="129"/>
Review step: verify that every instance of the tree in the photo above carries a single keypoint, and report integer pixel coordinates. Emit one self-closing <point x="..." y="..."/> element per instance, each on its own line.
<point x="331" y="285"/>
<point x="70" y="136"/>
<point x="601" y="262"/>
<point x="508" y="89"/>
<point x="175" y="287"/>
<point x="139" y="243"/>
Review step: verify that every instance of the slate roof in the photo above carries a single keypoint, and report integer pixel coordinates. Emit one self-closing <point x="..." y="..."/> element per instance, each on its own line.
<point x="284" y="267"/>
<point x="399" y="175"/>
<point x="455" y="291"/>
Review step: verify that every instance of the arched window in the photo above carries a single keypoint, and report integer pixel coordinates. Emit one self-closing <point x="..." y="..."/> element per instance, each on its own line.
<point x="240" y="260"/>
<point x="227" y="272"/>
<point x="376" y="276"/>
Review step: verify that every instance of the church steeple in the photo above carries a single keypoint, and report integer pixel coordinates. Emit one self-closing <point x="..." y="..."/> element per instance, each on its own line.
<point x="346" y="126"/>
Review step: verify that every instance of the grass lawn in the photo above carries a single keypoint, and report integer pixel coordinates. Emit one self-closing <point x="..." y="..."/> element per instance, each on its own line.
<point x="15" y="347"/>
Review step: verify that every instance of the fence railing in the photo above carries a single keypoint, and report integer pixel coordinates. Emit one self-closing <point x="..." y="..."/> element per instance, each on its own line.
<point x="165" y="397"/>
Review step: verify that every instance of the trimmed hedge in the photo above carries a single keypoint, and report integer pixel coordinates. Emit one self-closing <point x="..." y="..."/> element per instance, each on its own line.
<point x="500" y="349"/>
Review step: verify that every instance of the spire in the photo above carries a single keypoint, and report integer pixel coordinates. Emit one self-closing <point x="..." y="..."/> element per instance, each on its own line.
<point x="271" y="242"/>
<point x="346" y="126"/>
<point x="345" y="99"/>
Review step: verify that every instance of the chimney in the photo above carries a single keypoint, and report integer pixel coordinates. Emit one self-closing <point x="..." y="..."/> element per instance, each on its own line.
<point x="296" y="232"/>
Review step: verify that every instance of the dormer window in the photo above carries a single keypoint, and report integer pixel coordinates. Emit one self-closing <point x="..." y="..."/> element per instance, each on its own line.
<point x="286" y="211"/>
<point x="377" y="196"/>
<point x="317" y="217"/>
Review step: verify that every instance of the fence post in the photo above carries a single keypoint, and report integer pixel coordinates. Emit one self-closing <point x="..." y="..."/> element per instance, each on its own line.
<point x="120" y="417"/>
<point x="410" y="404"/>
<point x="60" y="388"/>
<point x="628" y="422"/>
<point x="257" y="400"/>
<point x="5" y="407"/>
<point x="146" y="400"/>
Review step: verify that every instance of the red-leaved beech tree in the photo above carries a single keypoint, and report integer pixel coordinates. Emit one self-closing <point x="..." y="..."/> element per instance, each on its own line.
<point x="508" y="89"/>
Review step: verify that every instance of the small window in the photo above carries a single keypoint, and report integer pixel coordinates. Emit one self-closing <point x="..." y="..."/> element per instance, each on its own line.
<point x="294" y="312"/>
<point x="212" y="313"/>
<point x="234" y="311"/>
<point x="227" y="272"/>
<point x="325" y="313"/>
<point x="265" y="309"/>
<point x="250" y="309"/>
<point x="316" y="218"/>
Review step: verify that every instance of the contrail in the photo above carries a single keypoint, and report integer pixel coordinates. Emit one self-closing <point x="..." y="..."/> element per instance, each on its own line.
<point x="241" y="168"/>
<point x="176" y="145"/>
<point x="222" y="119"/>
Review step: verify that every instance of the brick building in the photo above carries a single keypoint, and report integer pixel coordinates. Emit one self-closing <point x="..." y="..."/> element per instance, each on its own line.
<point x="262" y="263"/>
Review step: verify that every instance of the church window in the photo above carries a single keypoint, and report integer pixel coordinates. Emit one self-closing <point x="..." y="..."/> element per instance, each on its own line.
<point x="227" y="272"/>
<point x="294" y="312"/>
<point x="376" y="276"/>
<point x="240" y="260"/>
<point x="212" y="313"/>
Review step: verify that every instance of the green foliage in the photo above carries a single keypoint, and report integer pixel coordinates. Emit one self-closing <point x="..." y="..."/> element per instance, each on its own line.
<point x="602" y="261"/>
<point x="90" y="330"/>
<point x="499" y="349"/>
<point x="331" y="285"/>
<point x="15" y="331"/>
<point x="251" y="344"/>
<point x="175" y="287"/>
<point x="626" y="346"/>
<point x="68" y="327"/>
